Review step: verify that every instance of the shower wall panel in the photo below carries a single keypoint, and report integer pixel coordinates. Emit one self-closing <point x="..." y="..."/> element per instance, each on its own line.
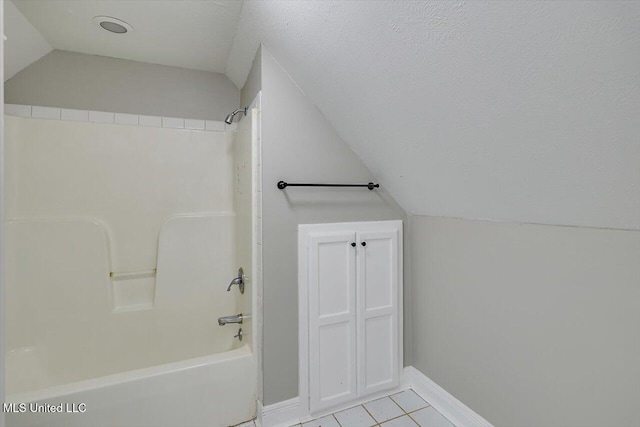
<point x="130" y="180"/>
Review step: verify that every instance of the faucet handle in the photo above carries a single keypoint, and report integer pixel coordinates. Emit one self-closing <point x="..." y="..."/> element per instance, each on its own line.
<point x="238" y="281"/>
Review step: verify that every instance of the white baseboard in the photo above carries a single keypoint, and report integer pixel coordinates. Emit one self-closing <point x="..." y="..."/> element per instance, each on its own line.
<point x="281" y="414"/>
<point x="287" y="413"/>
<point x="259" y="413"/>
<point x="450" y="407"/>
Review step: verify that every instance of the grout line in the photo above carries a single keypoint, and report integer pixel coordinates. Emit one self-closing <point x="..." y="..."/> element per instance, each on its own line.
<point x="401" y="408"/>
<point x="370" y="414"/>
<point x="397" y="404"/>
<point x="395" y="418"/>
<point x="381" y="423"/>
<point x="409" y="415"/>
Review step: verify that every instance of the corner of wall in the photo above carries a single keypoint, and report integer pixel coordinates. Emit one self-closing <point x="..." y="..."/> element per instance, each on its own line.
<point x="300" y="144"/>
<point x="253" y="84"/>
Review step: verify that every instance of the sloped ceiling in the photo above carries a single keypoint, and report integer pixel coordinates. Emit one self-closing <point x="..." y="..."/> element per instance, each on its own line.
<point x="188" y="33"/>
<point x="516" y="111"/>
<point x="24" y="43"/>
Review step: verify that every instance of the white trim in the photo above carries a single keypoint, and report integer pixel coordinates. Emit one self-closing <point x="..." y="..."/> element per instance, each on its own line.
<point x="259" y="413"/>
<point x="89" y="116"/>
<point x="442" y="401"/>
<point x="291" y="412"/>
<point x="281" y="414"/>
<point x="359" y="401"/>
<point x="303" y="325"/>
<point x="256" y="252"/>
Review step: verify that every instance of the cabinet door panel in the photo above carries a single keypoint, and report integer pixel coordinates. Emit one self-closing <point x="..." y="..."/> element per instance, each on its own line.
<point x="332" y="319"/>
<point x="378" y="268"/>
<point x="334" y="358"/>
<point x="377" y="284"/>
<point x="379" y="349"/>
<point x="334" y="280"/>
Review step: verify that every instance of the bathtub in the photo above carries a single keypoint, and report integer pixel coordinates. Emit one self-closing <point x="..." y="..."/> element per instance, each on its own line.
<point x="204" y="391"/>
<point x="169" y="364"/>
<point x="121" y="242"/>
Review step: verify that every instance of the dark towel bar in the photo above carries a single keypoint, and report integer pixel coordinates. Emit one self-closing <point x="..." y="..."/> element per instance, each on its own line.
<point x="282" y="185"/>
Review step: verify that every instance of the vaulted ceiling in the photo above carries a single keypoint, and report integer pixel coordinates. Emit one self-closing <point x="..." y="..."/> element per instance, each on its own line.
<point x="24" y="43"/>
<point x="187" y="33"/>
<point x="517" y="111"/>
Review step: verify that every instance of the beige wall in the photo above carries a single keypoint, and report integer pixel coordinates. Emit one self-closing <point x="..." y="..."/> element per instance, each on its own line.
<point x="300" y="145"/>
<point x="254" y="81"/>
<point x="529" y="324"/>
<point x="90" y="82"/>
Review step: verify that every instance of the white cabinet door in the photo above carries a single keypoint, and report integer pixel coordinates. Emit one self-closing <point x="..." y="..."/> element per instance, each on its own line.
<point x="332" y="318"/>
<point x="350" y="316"/>
<point x="377" y="314"/>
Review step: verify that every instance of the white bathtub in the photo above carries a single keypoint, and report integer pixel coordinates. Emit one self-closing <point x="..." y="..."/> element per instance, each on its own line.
<point x="167" y="365"/>
<point x="206" y="391"/>
<point x="121" y="242"/>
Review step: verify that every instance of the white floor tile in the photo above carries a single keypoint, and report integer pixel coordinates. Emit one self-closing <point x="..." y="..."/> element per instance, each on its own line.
<point x="355" y="417"/>
<point x="383" y="409"/>
<point x="400" y="422"/>
<point x="409" y="401"/>
<point x="327" y="421"/>
<point x="429" y="417"/>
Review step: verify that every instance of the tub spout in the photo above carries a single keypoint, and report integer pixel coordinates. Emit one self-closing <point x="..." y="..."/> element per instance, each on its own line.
<point x="224" y="320"/>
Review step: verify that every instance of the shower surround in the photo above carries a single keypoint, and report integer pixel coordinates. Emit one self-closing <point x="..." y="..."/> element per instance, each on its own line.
<point x="121" y="241"/>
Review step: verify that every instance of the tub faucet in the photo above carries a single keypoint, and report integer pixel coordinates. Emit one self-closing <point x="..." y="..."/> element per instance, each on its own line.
<point x="238" y="281"/>
<point x="224" y="320"/>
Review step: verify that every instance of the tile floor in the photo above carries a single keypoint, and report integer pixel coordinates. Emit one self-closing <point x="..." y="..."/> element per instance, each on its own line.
<point x="404" y="409"/>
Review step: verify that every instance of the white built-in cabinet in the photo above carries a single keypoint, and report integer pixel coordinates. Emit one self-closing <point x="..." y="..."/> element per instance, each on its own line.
<point x="350" y="296"/>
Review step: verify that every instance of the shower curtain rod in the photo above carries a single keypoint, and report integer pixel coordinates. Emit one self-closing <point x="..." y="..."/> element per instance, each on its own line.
<point x="282" y="185"/>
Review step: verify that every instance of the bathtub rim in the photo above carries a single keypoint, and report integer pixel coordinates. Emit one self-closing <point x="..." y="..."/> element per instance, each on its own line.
<point x="63" y="390"/>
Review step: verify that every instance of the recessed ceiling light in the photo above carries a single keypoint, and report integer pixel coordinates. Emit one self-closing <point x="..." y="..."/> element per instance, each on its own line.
<point x="113" y="25"/>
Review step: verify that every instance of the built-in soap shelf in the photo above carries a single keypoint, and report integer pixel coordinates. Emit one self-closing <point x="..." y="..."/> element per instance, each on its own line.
<point x="132" y="274"/>
<point x="133" y="290"/>
<point x="196" y="258"/>
<point x="195" y="261"/>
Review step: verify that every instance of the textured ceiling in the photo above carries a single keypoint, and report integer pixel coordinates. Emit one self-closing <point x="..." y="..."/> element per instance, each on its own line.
<point x="517" y="111"/>
<point x="186" y="33"/>
<point x="24" y="44"/>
